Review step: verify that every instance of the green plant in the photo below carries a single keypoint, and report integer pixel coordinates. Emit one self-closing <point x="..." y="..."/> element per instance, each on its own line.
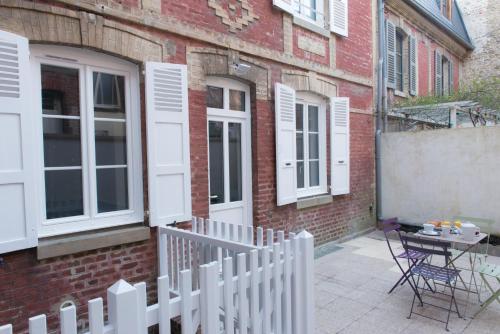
<point x="486" y="92"/>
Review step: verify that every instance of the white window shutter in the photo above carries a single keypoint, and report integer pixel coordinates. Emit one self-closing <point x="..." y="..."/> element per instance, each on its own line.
<point x="391" y="54"/>
<point x="169" y="167"/>
<point x="438" y="73"/>
<point x="286" y="5"/>
<point x="17" y="194"/>
<point x="339" y="17"/>
<point x="412" y="44"/>
<point x="339" y="145"/>
<point x="286" y="164"/>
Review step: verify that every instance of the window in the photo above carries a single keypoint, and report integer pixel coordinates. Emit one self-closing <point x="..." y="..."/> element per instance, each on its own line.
<point x="311" y="146"/>
<point x="399" y="61"/>
<point x="310" y="10"/>
<point x="91" y="140"/>
<point x="445" y="7"/>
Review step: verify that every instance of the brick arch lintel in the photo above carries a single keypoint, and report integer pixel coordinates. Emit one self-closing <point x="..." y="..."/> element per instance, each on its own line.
<point x="203" y="62"/>
<point x="61" y="26"/>
<point x="310" y="82"/>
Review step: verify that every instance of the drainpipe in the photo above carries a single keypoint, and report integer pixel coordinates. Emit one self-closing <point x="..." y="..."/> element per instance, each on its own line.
<point x="381" y="103"/>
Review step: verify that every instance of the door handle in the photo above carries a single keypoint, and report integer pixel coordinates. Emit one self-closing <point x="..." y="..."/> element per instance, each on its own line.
<point x="213" y="196"/>
<point x="341" y="161"/>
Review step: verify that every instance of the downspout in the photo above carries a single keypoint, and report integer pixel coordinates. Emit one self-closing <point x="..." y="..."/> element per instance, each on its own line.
<point x="381" y="104"/>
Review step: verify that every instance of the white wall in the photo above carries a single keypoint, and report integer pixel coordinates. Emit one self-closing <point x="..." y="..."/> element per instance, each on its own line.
<point x="437" y="174"/>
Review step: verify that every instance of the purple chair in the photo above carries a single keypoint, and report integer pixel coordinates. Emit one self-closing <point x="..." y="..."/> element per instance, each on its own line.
<point x="445" y="274"/>
<point x="413" y="257"/>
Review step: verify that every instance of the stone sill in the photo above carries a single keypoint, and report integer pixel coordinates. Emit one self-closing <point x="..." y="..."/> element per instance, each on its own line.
<point x="311" y="26"/>
<point x="400" y="93"/>
<point x="81" y="242"/>
<point x="317" y="200"/>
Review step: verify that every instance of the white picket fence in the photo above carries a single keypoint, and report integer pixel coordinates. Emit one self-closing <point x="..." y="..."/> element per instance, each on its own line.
<point x="253" y="289"/>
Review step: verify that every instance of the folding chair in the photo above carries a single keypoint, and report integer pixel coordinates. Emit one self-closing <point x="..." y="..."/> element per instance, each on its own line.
<point x="491" y="270"/>
<point x="391" y="225"/>
<point x="427" y="271"/>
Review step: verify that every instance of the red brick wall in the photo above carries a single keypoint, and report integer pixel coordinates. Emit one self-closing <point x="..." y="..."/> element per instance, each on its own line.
<point x="354" y="53"/>
<point x="300" y="53"/>
<point x="423" y="69"/>
<point x="30" y="287"/>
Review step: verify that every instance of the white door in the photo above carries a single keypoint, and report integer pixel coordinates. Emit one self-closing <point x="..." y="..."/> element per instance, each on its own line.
<point x="229" y="151"/>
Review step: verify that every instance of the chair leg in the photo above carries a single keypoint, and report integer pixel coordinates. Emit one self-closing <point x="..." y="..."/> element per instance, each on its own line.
<point x="495" y="295"/>
<point x="452" y="300"/>
<point x="416" y="294"/>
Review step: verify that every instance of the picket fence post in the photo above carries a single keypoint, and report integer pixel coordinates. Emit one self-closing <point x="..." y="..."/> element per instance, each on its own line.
<point x="68" y="320"/>
<point x="122" y="308"/>
<point x="307" y="252"/>
<point x="38" y="324"/>
<point x="209" y="298"/>
<point x="6" y="329"/>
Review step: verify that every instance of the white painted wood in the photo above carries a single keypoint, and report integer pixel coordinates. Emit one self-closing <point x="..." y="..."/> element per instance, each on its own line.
<point x="96" y="316"/>
<point x="277" y="289"/>
<point x="18" y="219"/>
<point x="164" y="314"/>
<point x="68" y="320"/>
<point x="307" y="255"/>
<point x="286" y="167"/>
<point x="38" y="324"/>
<point x="169" y="168"/>
<point x="269" y="237"/>
<point x="286" y="5"/>
<point x="287" y="287"/>
<point x="260" y="236"/>
<point x="142" y="307"/>
<point x="297" y="305"/>
<point x="266" y="291"/>
<point x="163" y="254"/>
<point x="6" y="329"/>
<point x="194" y="224"/>
<point x="242" y="295"/>
<point x="250" y="235"/>
<point x="256" y="324"/>
<point x="340" y="145"/>
<point x="209" y="298"/>
<point x="339" y="17"/>
<point x="122" y="308"/>
<point x="186" y="302"/>
<point x="281" y="237"/>
<point x="228" y="296"/>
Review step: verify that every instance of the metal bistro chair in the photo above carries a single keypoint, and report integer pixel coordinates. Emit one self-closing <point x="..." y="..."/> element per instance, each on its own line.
<point x="493" y="271"/>
<point x="414" y="257"/>
<point x="427" y="271"/>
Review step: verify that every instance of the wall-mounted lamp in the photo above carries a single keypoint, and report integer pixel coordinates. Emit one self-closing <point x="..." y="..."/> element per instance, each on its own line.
<point x="241" y="69"/>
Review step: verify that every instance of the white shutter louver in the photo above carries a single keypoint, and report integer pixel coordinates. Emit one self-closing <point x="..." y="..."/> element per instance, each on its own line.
<point x="286" y="5"/>
<point x="286" y="165"/>
<point x="169" y="167"/>
<point x="412" y="45"/>
<point x="451" y="82"/>
<point x="17" y="193"/>
<point x="339" y="145"/>
<point x="339" y="17"/>
<point x="391" y="54"/>
<point x="438" y="73"/>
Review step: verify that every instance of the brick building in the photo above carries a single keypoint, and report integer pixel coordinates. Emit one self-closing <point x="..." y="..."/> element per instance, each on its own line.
<point x="118" y="116"/>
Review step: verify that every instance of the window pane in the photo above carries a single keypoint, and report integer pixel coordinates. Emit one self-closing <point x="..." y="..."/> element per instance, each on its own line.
<point x="109" y="95"/>
<point x="300" y="174"/>
<point x="60" y="91"/>
<point x="313" y="118"/>
<point x="313" y="173"/>
<point x="215" y="97"/>
<point x="300" y="146"/>
<point x="112" y="189"/>
<point x="299" y="115"/>
<point x="63" y="193"/>
<point x="313" y="146"/>
<point x="110" y="143"/>
<point x="216" y="152"/>
<point x="235" y="169"/>
<point x="61" y="142"/>
<point x="236" y="100"/>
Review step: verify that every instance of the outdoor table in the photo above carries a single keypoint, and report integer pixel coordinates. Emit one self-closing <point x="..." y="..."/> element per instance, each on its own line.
<point x="469" y="245"/>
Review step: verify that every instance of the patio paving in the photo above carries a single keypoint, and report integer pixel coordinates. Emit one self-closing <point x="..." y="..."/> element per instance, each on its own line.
<point x="351" y="285"/>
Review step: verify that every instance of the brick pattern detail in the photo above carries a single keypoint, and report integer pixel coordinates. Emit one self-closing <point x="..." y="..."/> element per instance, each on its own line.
<point x="235" y="14"/>
<point x="310" y="46"/>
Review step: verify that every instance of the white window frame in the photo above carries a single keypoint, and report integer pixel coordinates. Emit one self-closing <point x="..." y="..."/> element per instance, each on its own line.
<point x="307" y="99"/>
<point x="297" y="6"/>
<point x="86" y="62"/>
